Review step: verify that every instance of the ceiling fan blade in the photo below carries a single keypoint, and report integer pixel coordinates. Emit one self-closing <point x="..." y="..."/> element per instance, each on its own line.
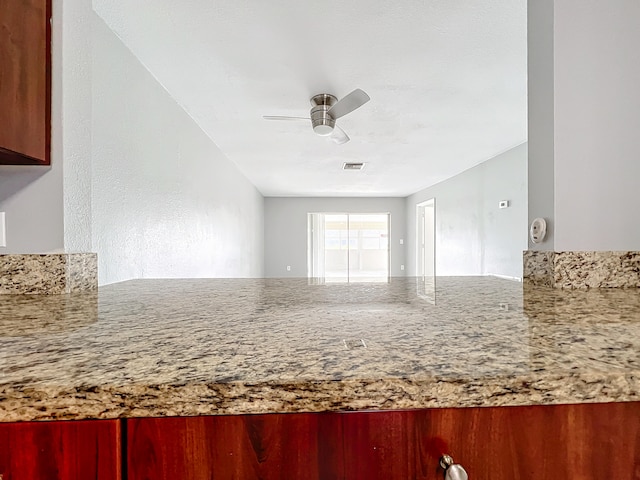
<point x="279" y="117"/>
<point x="348" y="104"/>
<point x="339" y="135"/>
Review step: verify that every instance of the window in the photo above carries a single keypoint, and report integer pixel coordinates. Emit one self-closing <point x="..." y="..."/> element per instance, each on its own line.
<point x="348" y="247"/>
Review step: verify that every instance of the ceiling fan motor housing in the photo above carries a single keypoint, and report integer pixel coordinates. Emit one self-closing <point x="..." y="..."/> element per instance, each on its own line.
<point x="322" y="122"/>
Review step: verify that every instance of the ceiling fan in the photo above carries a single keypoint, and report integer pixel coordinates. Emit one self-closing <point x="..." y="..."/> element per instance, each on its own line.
<point x="326" y="109"/>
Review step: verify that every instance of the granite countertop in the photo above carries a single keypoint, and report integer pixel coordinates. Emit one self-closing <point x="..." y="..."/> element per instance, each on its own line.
<point x="230" y="346"/>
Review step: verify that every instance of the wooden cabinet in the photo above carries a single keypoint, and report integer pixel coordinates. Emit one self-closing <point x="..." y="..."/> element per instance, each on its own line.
<point x="73" y="450"/>
<point x="272" y="446"/>
<point x="525" y="443"/>
<point x="25" y="82"/>
<point x="586" y="442"/>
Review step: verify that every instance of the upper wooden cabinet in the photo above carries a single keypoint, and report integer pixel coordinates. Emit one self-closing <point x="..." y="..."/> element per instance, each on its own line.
<point x="25" y="82"/>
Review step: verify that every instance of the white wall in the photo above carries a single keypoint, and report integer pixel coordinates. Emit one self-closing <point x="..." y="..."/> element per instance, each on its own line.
<point x="597" y="124"/>
<point x="286" y="229"/>
<point x="540" y="73"/>
<point x="71" y="128"/>
<point x="474" y="236"/>
<point x="165" y="201"/>
<point x="31" y="197"/>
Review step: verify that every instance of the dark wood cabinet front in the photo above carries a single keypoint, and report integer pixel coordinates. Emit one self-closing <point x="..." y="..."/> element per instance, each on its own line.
<point x="73" y="450"/>
<point x="25" y="82"/>
<point x="587" y="442"/>
<point x="240" y="447"/>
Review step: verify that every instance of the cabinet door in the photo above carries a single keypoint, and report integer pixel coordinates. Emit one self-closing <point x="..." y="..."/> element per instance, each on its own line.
<point x="25" y="81"/>
<point x="70" y="450"/>
<point x="224" y="447"/>
<point x="587" y="442"/>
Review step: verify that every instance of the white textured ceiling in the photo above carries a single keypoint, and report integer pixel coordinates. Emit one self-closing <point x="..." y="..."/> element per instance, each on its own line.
<point x="447" y="81"/>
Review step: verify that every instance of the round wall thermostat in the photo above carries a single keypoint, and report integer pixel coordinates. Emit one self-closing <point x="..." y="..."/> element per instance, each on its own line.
<point x="538" y="230"/>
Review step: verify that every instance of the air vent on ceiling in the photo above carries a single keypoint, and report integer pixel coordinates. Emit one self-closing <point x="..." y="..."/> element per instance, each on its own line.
<point x="352" y="166"/>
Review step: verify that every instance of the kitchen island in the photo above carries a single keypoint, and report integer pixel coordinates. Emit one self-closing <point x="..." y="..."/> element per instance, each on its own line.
<point x="231" y="346"/>
<point x="203" y="347"/>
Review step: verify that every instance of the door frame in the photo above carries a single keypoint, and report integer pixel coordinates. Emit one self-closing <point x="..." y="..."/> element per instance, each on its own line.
<point x="421" y="234"/>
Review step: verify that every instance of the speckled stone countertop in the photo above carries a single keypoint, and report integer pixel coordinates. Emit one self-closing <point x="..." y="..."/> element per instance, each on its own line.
<point x="229" y="346"/>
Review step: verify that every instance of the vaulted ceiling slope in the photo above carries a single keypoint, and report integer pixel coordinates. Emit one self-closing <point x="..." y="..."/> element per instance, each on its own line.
<point x="447" y="81"/>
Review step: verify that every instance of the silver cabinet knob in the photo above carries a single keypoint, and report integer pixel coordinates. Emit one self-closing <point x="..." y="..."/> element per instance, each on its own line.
<point x="452" y="471"/>
<point x="456" y="472"/>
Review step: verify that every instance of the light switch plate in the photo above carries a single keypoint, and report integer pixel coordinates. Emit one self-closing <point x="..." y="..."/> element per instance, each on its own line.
<point x="3" y="231"/>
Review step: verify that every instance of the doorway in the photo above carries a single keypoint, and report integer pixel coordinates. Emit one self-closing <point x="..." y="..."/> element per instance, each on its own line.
<point x="426" y="246"/>
<point x="348" y="247"/>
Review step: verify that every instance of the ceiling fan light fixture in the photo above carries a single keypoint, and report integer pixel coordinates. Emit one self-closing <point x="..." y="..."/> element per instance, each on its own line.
<point x="322" y="122"/>
<point x="323" y="130"/>
<point x="325" y="109"/>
